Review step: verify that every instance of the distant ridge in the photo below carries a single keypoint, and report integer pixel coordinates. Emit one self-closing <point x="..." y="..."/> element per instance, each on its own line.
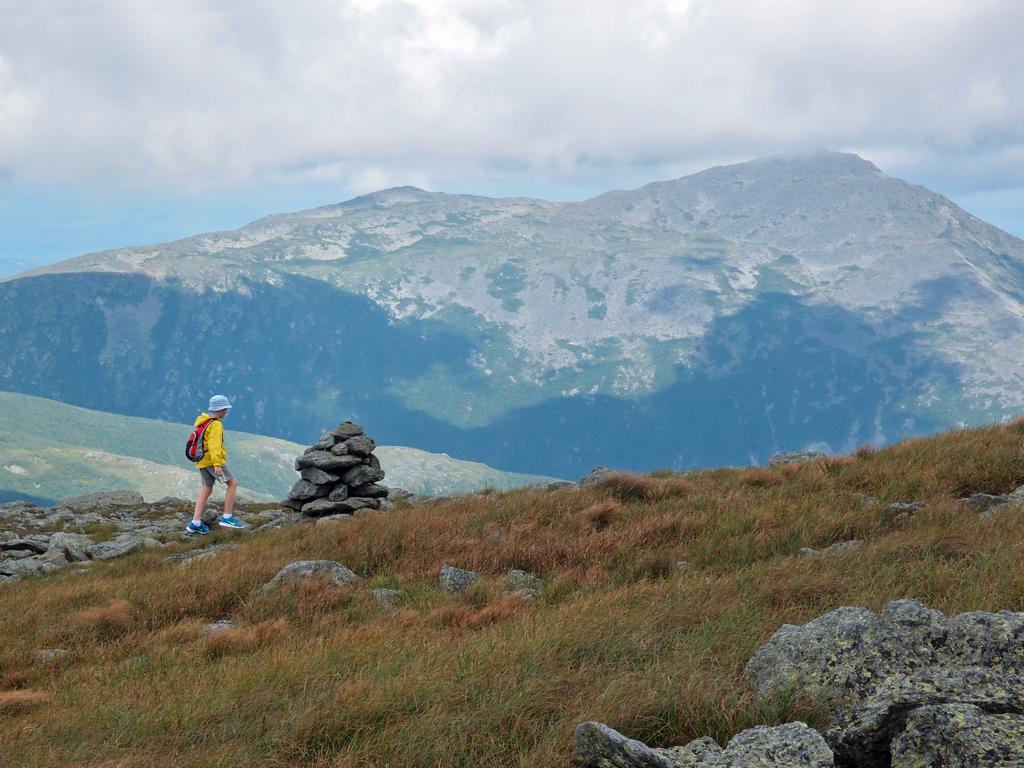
<point x="790" y="302"/>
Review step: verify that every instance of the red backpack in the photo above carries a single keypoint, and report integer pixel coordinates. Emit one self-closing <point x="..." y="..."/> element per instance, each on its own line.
<point x="194" y="450"/>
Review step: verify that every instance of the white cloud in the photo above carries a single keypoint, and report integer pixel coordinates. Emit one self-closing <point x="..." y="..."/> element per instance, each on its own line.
<point x="204" y="93"/>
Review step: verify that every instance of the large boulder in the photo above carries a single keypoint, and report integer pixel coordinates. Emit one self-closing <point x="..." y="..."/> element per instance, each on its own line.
<point x="118" y="547"/>
<point x="959" y="736"/>
<point x="303" y="570"/>
<point x="598" y="746"/>
<point x="862" y="735"/>
<point x="73" y="546"/>
<point x="850" y="652"/>
<point x="36" y="546"/>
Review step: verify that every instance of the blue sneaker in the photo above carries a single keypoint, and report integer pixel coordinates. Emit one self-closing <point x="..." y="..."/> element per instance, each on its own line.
<point x="196" y="529"/>
<point x="230" y="521"/>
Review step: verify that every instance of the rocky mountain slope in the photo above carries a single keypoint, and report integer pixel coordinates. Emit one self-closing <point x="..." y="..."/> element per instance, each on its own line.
<point x="777" y="304"/>
<point x="51" y="451"/>
<point x="861" y="611"/>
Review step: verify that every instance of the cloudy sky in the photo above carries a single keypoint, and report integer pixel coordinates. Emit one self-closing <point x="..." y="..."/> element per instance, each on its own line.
<point x="130" y="121"/>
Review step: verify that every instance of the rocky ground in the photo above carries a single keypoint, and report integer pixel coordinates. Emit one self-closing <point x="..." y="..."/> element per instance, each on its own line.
<point x="908" y="687"/>
<point x="100" y="526"/>
<point x="904" y="687"/>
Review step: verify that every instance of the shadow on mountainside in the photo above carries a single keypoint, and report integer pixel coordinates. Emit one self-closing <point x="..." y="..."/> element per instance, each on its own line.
<point x="779" y="374"/>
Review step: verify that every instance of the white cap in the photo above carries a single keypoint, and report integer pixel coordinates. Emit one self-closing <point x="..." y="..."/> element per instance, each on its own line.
<point x="219" y="403"/>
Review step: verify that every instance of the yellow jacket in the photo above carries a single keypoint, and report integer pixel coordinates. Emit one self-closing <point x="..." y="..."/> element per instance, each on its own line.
<point x="214" y="453"/>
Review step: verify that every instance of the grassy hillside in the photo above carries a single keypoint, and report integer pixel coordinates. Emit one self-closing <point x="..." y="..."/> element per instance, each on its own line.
<point x="324" y="676"/>
<point x="50" y="451"/>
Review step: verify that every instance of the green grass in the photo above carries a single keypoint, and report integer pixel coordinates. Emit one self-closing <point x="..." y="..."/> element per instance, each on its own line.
<point x="321" y="676"/>
<point x="52" y="451"/>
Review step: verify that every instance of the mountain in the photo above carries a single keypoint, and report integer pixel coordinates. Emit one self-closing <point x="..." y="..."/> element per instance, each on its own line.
<point x="783" y="303"/>
<point x="50" y="451"/>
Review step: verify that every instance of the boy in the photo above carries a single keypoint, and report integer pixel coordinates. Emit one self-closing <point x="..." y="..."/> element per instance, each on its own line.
<point x="213" y="467"/>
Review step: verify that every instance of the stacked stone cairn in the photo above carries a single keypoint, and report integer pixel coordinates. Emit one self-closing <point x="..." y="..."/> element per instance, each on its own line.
<point x="338" y="475"/>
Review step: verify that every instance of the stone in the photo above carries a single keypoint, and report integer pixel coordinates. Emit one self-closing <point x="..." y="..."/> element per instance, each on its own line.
<point x="793" y="745"/>
<point x="560" y="485"/>
<point x="900" y="509"/>
<point x="959" y="736"/>
<point x="596" y="476"/>
<point x="982" y="502"/>
<point x="836" y="549"/>
<point x="370" y="491"/>
<point x="454" y="579"/>
<point x="29" y="566"/>
<point x="516" y="580"/>
<point x="338" y="493"/>
<point x="340" y="449"/>
<point x="326" y="461"/>
<point x="850" y="653"/>
<point x="1016" y="496"/>
<point x="702" y="751"/>
<point x="304" y="490"/>
<point x="322" y="507"/>
<point x="862" y="736"/>
<point x="385" y="595"/>
<point x="318" y="476"/>
<point x="795" y="457"/>
<point x="362" y="475"/>
<point x="293" y="504"/>
<point x="74" y="546"/>
<point x="29" y="545"/>
<point x="105" y="501"/>
<point x="360" y="445"/>
<point x="50" y="655"/>
<point x="345" y="430"/>
<point x="220" y="625"/>
<point x="333" y="519"/>
<point x="372" y="461"/>
<point x="325" y="443"/>
<point x="118" y="547"/>
<point x="303" y="570"/>
<point x="194" y="555"/>
<point x="598" y="746"/>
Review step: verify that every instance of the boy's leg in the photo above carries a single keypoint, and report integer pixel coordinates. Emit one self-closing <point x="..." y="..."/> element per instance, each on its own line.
<point x="201" y="499"/>
<point x="229" y="497"/>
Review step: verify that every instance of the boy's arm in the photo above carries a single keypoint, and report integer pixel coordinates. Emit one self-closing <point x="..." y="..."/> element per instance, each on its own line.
<point x="215" y="446"/>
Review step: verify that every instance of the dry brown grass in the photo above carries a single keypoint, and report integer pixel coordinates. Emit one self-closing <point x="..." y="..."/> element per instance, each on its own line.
<point x="246" y="639"/>
<point x="323" y="676"/>
<point x="15" y="678"/>
<point x="113" y="618"/>
<point x="599" y="516"/>
<point x="631" y="487"/>
<point x="17" y="702"/>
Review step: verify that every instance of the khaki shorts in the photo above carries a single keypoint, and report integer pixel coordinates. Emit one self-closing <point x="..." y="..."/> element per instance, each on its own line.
<point x="210" y="479"/>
